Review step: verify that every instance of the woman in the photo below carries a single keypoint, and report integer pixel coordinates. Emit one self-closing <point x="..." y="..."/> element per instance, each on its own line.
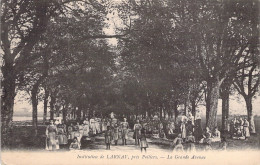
<point x="51" y="132"/>
<point x="137" y="132"/>
<point x="216" y="135"/>
<point x="71" y="132"/>
<point x="124" y="127"/>
<point x="115" y="133"/>
<point x="78" y="132"/>
<point x="246" y="129"/>
<point x="108" y="137"/>
<point x="183" y="130"/>
<point x="86" y="127"/>
<point x="62" y="137"/>
<point x="143" y="142"/>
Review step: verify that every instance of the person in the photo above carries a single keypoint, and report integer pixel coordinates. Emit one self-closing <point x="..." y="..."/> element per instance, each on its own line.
<point x="190" y="117"/>
<point x="207" y="142"/>
<point x="137" y="132"/>
<point x="93" y="126"/>
<point x="183" y="130"/>
<point x="115" y="133"/>
<point x="198" y="132"/>
<point x="207" y="134"/>
<point x="62" y="137"/>
<point x="78" y="131"/>
<point x="86" y="127"/>
<point x="171" y="127"/>
<point x="71" y="132"/>
<point x="143" y="141"/>
<point x="232" y="128"/>
<point x="190" y="141"/>
<point x="108" y="137"/>
<point x="246" y="129"/>
<point x="223" y="144"/>
<point x="75" y="144"/>
<point x="216" y="135"/>
<point x="51" y="132"/>
<point x="177" y="143"/>
<point x="97" y="125"/>
<point x="124" y="127"/>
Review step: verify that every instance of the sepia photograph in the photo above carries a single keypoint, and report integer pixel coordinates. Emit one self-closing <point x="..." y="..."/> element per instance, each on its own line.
<point x="130" y="82"/>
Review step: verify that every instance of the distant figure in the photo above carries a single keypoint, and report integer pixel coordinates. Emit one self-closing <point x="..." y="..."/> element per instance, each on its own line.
<point x="177" y="143"/>
<point x="124" y="127"/>
<point x="190" y="141"/>
<point x="137" y="132"/>
<point x="86" y="127"/>
<point x="206" y="135"/>
<point x="246" y="129"/>
<point x="143" y="141"/>
<point x="51" y="132"/>
<point x="108" y="137"/>
<point x="75" y="144"/>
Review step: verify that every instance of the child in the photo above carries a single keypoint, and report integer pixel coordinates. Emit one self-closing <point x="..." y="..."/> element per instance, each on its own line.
<point x="108" y="137"/>
<point x="143" y="142"/>
<point x="223" y="144"/>
<point x="75" y="144"/>
<point x="191" y="141"/>
<point x="177" y="142"/>
<point x="207" y="142"/>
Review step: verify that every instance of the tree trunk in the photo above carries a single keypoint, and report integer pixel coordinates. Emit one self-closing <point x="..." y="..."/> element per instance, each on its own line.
<point x="7" y="103"/>
<point x="175" y="107"/>
<point x="225" y="108"/>
<point x="212" y="104"/>
<point x="250" y="115"/>
<point x="52" y="102"/>
<point x="64" y="114"/>
<point x="193" y="107"/>
<point x="34" y="98"/>
<point x="45" y="104"/>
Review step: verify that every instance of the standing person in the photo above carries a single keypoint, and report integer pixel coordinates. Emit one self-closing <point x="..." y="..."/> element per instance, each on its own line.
<point x="232" y="128"/>
<point x="246" y="129"/>
<point x="124" y="127"/>
<point x="183" y="130"/>
<point x="143" y="141"/>
<point x="51" y="132"/>
<point x="198" y="131"/>
<point x="137" y="132"/>
<point x="78" y="133"/>
<point x="93" y="126"/>
<point x="86" y="127"/>
<point x="116" y="133"/>
<point x="71" y="132"/>
<point x="62" y="137"/>
<point x="108" y="137"/>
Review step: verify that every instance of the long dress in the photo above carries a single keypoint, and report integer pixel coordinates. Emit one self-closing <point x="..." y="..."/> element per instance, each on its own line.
<point x="137" y="131"/>
<point x="71" y="132"/>
<point x="115" y="133"/>
<point x="198" y="132"/>
<point x="143" y="141"/>
<point x="183" y="130"/>
<point x="62" y="137"/>
<point x="124" y="126"/>
<point x="86" y="128"/>
<point x="93" y="126"/>
<point x="246" y="129"/>
<point x="51" y="143"/>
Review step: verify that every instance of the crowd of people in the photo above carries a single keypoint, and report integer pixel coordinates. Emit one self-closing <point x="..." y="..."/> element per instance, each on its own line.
<point x="186" y="129"/>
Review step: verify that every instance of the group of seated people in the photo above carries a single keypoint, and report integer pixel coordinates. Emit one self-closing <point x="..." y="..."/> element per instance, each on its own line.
<point x="239" y="128"/>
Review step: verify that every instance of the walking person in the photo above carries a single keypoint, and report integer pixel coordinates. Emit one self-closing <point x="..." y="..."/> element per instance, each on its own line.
<point x="51" y="132"/>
